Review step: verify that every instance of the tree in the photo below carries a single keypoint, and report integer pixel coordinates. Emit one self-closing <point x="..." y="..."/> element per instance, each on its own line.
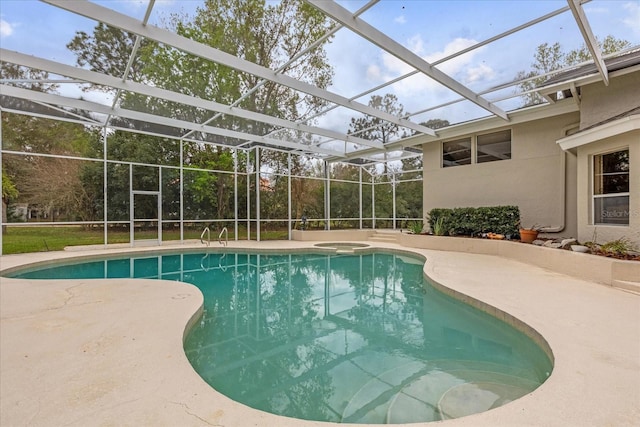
<point x="345" y="192"/>
<point x="436" y="123"/>
<point x="268" y="34"/>
<point x="9" y="192"/>
<point x="263" y="33"/>
<point x="17" y="126"/>
<point x="260" y="32"/>
<point x="51" y="184"/>
<point x="377" y="129"/>
<point x="107" y="51"/>
<point x="411" y="168"/>
<point x="127" y="147"/>
<point x="307" y="195"/>
<point x="548" y="58"/>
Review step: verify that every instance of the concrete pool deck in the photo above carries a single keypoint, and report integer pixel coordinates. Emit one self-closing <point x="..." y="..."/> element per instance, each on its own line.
<point x="107" y="353"/>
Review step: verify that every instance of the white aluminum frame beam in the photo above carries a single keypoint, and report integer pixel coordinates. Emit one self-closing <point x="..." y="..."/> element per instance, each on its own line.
<point x="589" y="39"/>
<point x="151" y="118"/>
<point x="117" y="20"/>
<point x="300" y="54"/>
<point x="156" y="92"/>
<point x="132" y="56"/>
<point x="462" y="52"/>
<point x="362" y="28"/>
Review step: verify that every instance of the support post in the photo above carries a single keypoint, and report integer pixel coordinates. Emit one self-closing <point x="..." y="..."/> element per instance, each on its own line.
<point x="393" y="197"/>
<point x="289" y="223"/>
<point x="181" y="170"/>
<point x="235" y="194"/>
<point x="257" y="193"/>
<point x="360" y="194"/>
<point x="327" y="197"/>
<point x="105" y="198"/>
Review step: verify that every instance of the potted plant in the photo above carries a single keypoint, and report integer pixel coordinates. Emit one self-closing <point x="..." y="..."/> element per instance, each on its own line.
<point x="529" y="234"/>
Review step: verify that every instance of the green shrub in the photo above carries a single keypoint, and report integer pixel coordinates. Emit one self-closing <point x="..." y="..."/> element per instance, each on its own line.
<point x="621" y="246"/>
<point x="438" y="227"/>
<point x="473" y="221"/>
<point x="415" y="227"/>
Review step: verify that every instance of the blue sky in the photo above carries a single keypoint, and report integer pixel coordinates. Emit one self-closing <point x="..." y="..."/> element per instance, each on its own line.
<point x="431" y="29"/>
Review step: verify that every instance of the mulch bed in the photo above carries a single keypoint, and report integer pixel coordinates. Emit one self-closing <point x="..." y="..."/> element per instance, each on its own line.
<point x="624" y="257"/>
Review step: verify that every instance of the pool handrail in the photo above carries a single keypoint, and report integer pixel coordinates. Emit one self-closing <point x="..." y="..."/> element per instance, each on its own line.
<point x="206" y="230"/>
<point x="226" y="236"/>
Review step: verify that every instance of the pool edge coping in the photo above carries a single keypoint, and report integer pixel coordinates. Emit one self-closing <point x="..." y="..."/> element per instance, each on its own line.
<point x="392" y="248"/>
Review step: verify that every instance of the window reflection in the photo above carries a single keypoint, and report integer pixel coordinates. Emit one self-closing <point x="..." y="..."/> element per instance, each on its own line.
<point x="456" y="153"/>
<point x="611" y="188"/>
<point x="494" y="146"/>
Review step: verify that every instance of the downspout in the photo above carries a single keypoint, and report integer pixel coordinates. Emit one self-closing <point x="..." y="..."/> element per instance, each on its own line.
<point x="563" y="197"/>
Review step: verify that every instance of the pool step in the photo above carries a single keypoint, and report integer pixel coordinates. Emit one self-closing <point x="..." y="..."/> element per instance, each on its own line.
<point x="472" y="398"/>
<point x="456" y="393"/>
<point x="388" y="237"/>
<point x="422" y="391"/>
<point x="370" y="404"/>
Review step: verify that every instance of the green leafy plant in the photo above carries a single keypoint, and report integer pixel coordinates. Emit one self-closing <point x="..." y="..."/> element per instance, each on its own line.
<point x="438" y="227"/>
<point x="474" y="221"/>
<point x="415" y="227"/>
<point x="621" y="246"/>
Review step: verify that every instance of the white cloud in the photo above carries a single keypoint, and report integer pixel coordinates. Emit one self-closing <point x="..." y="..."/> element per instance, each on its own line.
<point x="479" y="73"/>
<point x="400" y="20"/>
<point x="373" y="73"/>
<point x="6" y="29"/>
<point x="633" y="17"/>
<point x="458" y="68"/>
<point x="593" y="10"/>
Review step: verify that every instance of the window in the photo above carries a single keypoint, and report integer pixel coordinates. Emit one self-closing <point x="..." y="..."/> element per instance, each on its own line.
<point x="456" y="153"/>
<point x="493" y="146"/>
<point x="483" y="148"/>
<point x="611" y="188"/>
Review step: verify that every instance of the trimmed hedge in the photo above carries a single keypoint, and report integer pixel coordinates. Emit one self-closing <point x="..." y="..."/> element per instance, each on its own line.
<point x="474" y="221"/>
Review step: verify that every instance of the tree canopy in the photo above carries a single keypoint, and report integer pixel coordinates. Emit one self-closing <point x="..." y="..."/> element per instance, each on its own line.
<point x="275" y="36"/>
<point x="552" y="57"/>
<point x="374" y="128"/>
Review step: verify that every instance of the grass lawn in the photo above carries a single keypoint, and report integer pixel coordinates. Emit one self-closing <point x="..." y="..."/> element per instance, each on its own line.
<point x="39" y="239"/>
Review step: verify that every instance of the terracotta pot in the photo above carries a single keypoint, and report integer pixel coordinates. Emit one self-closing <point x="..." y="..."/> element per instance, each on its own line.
<point x="528" y="236"/>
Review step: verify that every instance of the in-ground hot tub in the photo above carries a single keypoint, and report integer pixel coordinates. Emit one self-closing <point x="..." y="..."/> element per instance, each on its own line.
<point x="342" y="247"/>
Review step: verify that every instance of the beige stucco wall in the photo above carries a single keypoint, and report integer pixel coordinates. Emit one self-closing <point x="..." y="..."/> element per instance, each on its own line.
<point x="531" y="179"/>
<point x="605" y="233"/>
<point x="600" y="102"/>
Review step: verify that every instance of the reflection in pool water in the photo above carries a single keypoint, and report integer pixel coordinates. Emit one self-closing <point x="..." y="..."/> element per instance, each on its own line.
<point x="342" y="338"/>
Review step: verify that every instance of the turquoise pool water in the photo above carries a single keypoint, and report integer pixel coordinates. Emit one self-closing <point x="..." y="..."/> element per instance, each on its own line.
<point x="342" y="338"/>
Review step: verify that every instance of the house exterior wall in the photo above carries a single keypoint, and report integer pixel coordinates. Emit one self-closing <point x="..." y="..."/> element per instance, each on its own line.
<point x="600" y="102"/>
<point x="587" y="231"/>
<point x="532" y="179"/>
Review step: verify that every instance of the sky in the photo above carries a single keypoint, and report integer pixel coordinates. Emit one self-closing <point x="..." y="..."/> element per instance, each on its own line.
<point x="429" y="28"/>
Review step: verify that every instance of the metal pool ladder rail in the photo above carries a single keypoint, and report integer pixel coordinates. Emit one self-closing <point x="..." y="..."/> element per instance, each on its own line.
<point x="226" y="237"/>
<point x="208" y="232"/>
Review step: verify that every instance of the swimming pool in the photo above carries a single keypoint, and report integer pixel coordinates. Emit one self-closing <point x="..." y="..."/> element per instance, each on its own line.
<point x="349" y="338"/>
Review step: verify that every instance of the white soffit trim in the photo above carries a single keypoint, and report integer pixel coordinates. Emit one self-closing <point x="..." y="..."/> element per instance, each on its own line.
<point x="124" y="22"/>
<point x="485" y="124"/>
<point x="524" y="115"/>
<point x="607" y="130"/>
<point x="584" y="80"/>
